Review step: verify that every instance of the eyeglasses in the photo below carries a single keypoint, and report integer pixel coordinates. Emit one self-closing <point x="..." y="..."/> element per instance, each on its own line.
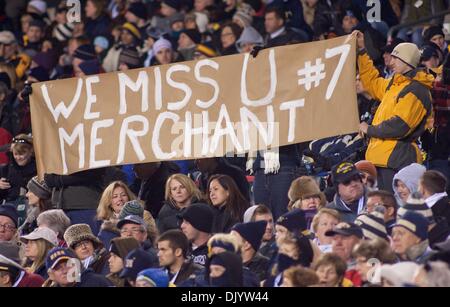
<point x="132" y="231"/>
<point x="8" y="227"/>
<point x="84" y="244"/>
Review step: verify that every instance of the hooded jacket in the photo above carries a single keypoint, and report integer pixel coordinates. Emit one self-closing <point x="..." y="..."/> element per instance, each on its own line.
<point x="410" y="176"/>
<point x="401" y="117"/>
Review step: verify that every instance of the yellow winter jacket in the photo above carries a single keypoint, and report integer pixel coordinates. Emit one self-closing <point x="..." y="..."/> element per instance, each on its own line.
<point x="400" y="119"/>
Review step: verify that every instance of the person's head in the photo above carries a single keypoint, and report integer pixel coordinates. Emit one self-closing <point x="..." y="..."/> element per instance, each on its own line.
<point x="119" y="249"/>
<point x="8" y="44"/>
<point x="80" y="238"/>
<point x="196" y="223"/>
<point x="8" y="222"/>
<point x="368" y="251"/>
<point x="83" y="53"/>
<point x="387" y="50"/>
<point x="368" y="173"/>
<point x="113" y="198"/>
<point x="229" y="34"/>
<point x="38" y="7"/>
<point x="244" y="16"/>
<point x="133" y="226"/>
<point x="63" y="266"/>
<point x="330" y="268"/>
<point x="349" y="22"/>
<point x="152" y="278"/>
<point x="181" y="190"/>
<point x="223" y="191"/>
<point x="290" y="224"/>
<point x="221" y="242"/>
<point x="173" y="246"/>
<point x="345" y="237"/>
<point x="37" y="245"/>
<point x="136" y="12"/>
<point x="299" y="276"/>
<point x="35" y="31"/>
<point x="436" y="35"/>
<point x="263" y="213"/>
<point x="250" y="235"/>
<point x="432" y="182"/>
<point x="384" y="199"/>
<point x="130" y="34"/>
<point x="225" y="270"/>
<point x="163" y="51"/>
<point x="136" y="261"/>
<point x="144" y="171"/>
<point x="405" y="57"/>
<point x="431" y="55"/>
<point x="54" y="219"/>
<point x="200" y="5"/>
<point x="94" y="8"/>
<point x="101" y="44"/>
<point x="406" y="181"/>
<point x="274" y="20"/>
<point x="22" y="149"/>
<point x="305" y="194"/>
<point x="188" y="39"/>
<point x="373" y="225"/>
<point x="129" y="58"/>
<point x="410" y="230"/>
<point x="38" y="194"/>
<point x="348" y="182"/>
<point x="325" y="220"/>
<point x="169" y="7"/>
<point x="10" y="268"/>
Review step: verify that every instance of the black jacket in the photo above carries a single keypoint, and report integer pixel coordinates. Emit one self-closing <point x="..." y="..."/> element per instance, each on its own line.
<point x="89" y="279"/>
<point x="223" y="221"/>
<point x="18" y="177"/>
<point x="199" y="255"/>
<point x="167" y="217"/>
<point x="442" y="208"/>
<point x="259" y="265"/>
<point x="288" y="36"/>
<point x="188" y="270"/>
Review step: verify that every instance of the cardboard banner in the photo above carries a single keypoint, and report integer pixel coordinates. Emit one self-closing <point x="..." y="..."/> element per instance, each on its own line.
<point x="210" y="107"/>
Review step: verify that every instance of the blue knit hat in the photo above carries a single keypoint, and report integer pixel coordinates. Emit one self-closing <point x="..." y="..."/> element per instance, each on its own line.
<point x="85" y="52"/>
<point x="293" y="220"/>
<point x="91" y="67"/>
<point x="156" y="277"/>
<point x="102" y="42"/>
<point x="136" y="261"/>
<point x="372" y="224"/>
<point x="415" y="223"/>
<point x="251" y="232"/>
<point x="11" y="212"/>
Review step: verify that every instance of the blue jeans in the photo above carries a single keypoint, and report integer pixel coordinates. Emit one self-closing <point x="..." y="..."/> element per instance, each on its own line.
<point x="84" y="217"/>
<point x="272" y="189"/>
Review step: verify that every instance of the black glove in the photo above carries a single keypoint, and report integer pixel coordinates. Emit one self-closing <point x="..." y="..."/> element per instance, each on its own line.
<point x="255" y="51"/>
<point x="26" y="92"/>
<point x="306" y="251"/>
<point x="53" y="180"/>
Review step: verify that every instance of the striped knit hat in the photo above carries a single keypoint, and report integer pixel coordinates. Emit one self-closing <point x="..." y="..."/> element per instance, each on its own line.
<point x="39" y="188"/>
<point x="372" y="224"/>
<point x="417" y="204"/>
<point x="63" y="31"/>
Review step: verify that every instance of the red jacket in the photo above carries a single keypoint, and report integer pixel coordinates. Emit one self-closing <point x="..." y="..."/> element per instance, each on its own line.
<point x="30" y="281"/>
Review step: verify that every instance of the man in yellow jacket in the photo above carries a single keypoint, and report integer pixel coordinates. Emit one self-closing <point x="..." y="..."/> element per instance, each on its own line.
<point x="403" y="111"/>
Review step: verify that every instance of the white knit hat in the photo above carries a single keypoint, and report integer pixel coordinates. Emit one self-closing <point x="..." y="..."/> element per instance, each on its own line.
<point x="40" y="5"/>
<point x="408" y="53"/>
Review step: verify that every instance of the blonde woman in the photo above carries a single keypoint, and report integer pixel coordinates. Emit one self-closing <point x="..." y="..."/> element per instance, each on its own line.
<point x="326" y="219"/>
<point x="37" y="245"/>
<point x="181" y="192"/>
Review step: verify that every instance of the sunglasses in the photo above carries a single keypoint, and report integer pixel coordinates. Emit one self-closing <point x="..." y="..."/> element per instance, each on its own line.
<point x="351" y="179"/>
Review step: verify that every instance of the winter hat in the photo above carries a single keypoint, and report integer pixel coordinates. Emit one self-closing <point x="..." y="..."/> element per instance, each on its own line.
<point x="48" y="60"/>
<point x="4" y="77"/>
<point x="233" y="275"/>
<point x="9" y="253"/>
<point x="372" y="224"/>
<point x="132" y="207"/>
<point x="175" y="4"/>
<point x="410" y="176"/>
<point x="101" y="42"/>
<point x="41" y="233"/>
<point x="343" y="172"/>
<point x="63" y="31"/>
<point x="11" y="212"/>
<point x="407" y="52"/>
<point x="249" y="213"/>
<point x="389" y="47"/>
<point x="250" y="36"/>
<point x="133" y="29"/>
<point x="251" y="232"/>
<point x="156" y="277"/>
<point x="430" y="50"/>
<point x="136" y="261"/>
<point x="80" y="232"/>
<point x="202" y="20"/>
<point x="194" y="35"/>
<point x="304" y="187"/>
<point x="244" y="17"/>
<point x="293" y="220"/>
<point x="122" y="246"/>
<point x="55" y="255"/>
<point x="39" y="188"/>
<point x="38" y="23"/>
<point x="200" y="216"/>
<point x="400" y="273"/>
<point x="130" y="57"/>
<point x="85" y="52"/>
<point x="160" y="44"/>
<point x="154" y="32"/>
<point x="205" y="50"/>
<point x="415" y="223"/>
<point x="177" y="17"/>
<point x="39" y="73"/>
<point x="131" y="219"/>
<point x="432" y="31"/>
<point x="346" y="229"/>
<point x="417" y="204"/>
<point x="91" y="67"/>
<point x="138" y="9"/>
<point x="367" y="167"/>
<point x="7" y="37"/>
<point x="39" y="5"/>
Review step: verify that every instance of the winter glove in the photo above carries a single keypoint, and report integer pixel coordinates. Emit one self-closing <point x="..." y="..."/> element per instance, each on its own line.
<point x="255" y="51"/>
<point x="26" y="92"/>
